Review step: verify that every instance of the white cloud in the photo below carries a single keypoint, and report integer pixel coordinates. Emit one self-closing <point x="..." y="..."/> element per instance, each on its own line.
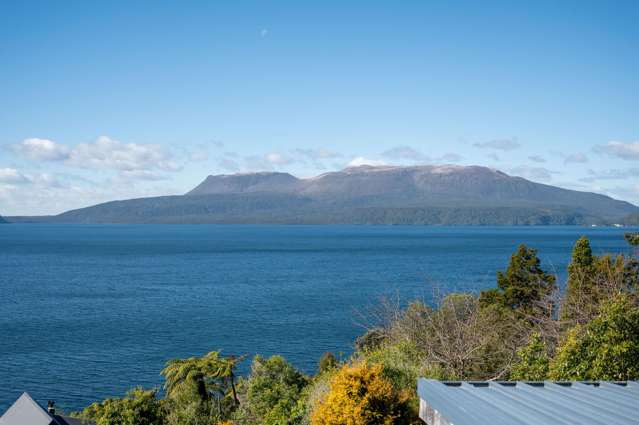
<point x="103" y="153"/>
<point x="499" y="144"/>
<point x="360" y="160"/>
<point x="41" y="150"/>
<point x="13" y="176"/>
<point x="277" y="159"/>
<point x="626" y="151"/>
<point x="106" y="153"/>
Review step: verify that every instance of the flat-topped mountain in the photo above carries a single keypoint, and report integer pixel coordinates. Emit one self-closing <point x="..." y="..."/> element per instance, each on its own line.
<point x="446" y="194"/>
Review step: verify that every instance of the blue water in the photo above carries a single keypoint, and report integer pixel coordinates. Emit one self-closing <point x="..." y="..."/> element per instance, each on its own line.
<point x="89" y="311"/>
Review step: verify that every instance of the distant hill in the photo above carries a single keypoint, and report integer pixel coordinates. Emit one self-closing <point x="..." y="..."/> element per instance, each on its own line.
<point x="2" y="220"/>
<point x="366" y="195"/>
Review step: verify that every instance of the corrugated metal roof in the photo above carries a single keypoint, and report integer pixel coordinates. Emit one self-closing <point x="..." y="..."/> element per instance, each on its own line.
<point x="528" y="403"/>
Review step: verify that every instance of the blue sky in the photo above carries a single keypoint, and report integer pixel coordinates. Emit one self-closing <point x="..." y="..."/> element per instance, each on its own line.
<point x="112" y="100"/>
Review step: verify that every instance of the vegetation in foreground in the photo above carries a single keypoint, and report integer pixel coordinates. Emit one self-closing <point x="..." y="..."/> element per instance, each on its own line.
<point x="524" y="329"/>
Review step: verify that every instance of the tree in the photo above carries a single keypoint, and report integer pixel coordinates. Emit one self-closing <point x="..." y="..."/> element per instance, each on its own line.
<point x="327" y="362"/>
<point x="632" y="238"/>
<point x="201" y="381"/>
<point x="581" y="297"/>
<point x="523" y="287"/>
<point x="138" y="407"/>
<point x="594" y="279"/>
<point x="273" y="391"/>
<point x="607" y="348"/>
<point x="361" y="395"/>
<point x="533" y="361"/>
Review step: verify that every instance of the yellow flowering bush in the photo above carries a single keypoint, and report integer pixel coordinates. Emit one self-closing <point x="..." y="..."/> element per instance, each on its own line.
<point x="361" y="395"/>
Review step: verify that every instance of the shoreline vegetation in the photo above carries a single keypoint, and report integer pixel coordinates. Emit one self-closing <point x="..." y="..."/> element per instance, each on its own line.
<point x="523" y="329"/>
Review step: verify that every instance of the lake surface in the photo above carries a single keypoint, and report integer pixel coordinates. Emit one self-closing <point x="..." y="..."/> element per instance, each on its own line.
<point x="87" y="312"/>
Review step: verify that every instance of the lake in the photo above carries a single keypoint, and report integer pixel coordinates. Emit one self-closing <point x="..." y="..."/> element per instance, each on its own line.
<point x="88" y="311"/>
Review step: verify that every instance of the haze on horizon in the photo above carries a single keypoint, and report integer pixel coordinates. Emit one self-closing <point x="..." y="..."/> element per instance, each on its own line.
<point x="120" y="100"/>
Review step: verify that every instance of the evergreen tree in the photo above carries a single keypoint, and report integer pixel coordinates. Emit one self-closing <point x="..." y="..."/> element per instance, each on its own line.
<point x="632" y="238"/>
<point x="580" y="297"/>
<point x="523" y="287"/>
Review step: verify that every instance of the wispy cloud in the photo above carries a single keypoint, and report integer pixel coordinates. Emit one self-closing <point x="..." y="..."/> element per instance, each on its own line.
<point x="360" y="160"/>
<point x="13" y="176"/>
<point x="575" y="158"/>
<point x="507" y="144"/>
<point x="404" y="152"/>
<point x="41" y="150"/>
<point x="532" y="173"/>
<point x="611" y="174"/>
<point x="626" y="151"/>
<point x="537" y="158"/>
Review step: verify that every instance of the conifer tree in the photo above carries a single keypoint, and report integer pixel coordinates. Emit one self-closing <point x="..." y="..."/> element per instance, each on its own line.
<point x="580" y="289"/>
<point x="523" y="286"/>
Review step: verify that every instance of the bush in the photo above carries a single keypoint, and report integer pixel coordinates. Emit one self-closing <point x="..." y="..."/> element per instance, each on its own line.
<point x="607" y="348"/>
<point x="361" y="395"/>
<point x="138" y="407"/>
<point x="273" y="391"/>
<point x="327" y="362"/>
<point x="533" y="361"/>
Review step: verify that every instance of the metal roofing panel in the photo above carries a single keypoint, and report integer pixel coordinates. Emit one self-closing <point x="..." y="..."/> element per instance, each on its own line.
<point x="529" y="403"/>
<point x="25" y="411"/>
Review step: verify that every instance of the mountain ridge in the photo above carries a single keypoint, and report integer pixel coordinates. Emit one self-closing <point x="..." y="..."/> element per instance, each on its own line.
<point x="430" y="194"/>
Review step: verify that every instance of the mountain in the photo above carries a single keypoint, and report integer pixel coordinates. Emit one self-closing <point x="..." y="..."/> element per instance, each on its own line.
<point x="366" y="195"/>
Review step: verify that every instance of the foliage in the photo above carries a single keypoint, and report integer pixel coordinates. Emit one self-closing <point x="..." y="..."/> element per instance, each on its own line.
<point x="580" y="289"/>
<point x="632" y="238"/>
<point x="273" y="391"/>
<point x="203" y="385"/>
<point x="138" y="407"/>
<point x="371" y="339"/>
<point x="361" y="395"/>
<point x="327" y="362"/>
<point x="533" y="361"/>
<point x="523" y="287"/>
<point x="457" y="340"/>
<point x="607" y="348"/>
<point x="593" y="279"/>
